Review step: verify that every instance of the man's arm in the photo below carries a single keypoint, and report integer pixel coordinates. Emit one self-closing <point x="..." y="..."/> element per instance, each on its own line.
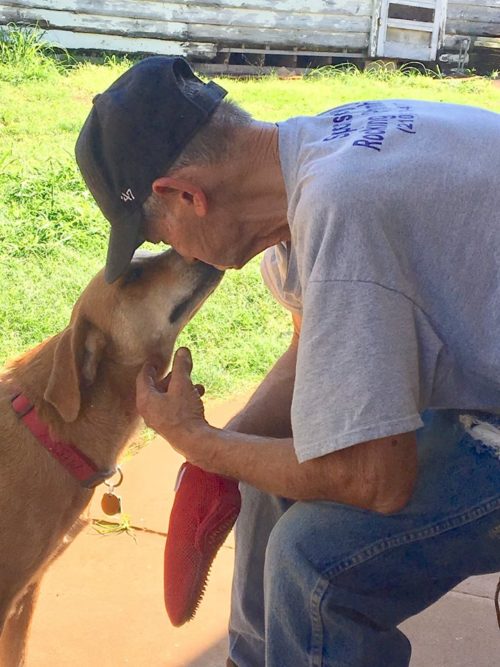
<point x="378" y="475"/>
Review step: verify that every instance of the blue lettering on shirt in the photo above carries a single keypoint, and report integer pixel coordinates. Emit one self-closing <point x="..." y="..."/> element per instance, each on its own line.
<point x="370" y="122"/>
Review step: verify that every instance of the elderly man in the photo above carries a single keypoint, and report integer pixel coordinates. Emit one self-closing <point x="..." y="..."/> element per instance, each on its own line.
<point x="381" y="220"/>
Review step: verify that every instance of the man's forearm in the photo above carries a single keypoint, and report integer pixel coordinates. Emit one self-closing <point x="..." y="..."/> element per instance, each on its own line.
<point x="377" y="475"/>
<point x="257" y="447"/>
<point x="269" y="464"/>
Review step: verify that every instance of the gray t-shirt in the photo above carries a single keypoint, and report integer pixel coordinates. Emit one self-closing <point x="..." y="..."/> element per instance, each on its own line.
<point x="394" y="211"/>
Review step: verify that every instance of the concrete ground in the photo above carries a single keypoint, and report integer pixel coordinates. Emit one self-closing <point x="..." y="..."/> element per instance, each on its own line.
<point x="102" y="601"/>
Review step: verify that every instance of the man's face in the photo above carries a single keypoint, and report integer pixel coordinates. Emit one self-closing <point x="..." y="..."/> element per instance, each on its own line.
<point x="219" y="241"/>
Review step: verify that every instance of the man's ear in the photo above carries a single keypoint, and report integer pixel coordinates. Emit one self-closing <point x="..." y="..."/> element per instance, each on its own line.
<point x="183" y="193"/>
<point x="75" y="362"/>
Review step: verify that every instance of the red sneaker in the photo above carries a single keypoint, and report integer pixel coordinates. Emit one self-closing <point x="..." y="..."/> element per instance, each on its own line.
<point x="204" y="511"/>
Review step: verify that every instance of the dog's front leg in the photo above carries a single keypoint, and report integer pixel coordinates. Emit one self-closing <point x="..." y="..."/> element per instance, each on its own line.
<point x="14" y="636"/>
<point x="15" y="631"/>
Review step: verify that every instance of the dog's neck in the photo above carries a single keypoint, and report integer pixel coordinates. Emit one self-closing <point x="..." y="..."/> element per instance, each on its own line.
<point x="108" y="416"/>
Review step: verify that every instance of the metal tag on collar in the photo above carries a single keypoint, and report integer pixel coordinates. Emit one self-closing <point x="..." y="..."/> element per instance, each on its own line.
<point x="100" y="477"/>
<point x="110" y="502"/>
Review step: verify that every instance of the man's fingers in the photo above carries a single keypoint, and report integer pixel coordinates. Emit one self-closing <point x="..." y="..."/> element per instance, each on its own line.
<point x="183" y="354"/>
<point x="146" y="386"/>
<point x="147" y="378"/>
<point x="182" y="367"/>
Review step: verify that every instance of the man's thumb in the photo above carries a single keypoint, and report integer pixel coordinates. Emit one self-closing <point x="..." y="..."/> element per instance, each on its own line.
<point x="183" y="361"/>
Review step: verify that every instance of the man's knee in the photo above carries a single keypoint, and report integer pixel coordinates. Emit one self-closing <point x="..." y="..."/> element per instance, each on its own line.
<point x="318" y="534"/>
<point x="305" y="535"/>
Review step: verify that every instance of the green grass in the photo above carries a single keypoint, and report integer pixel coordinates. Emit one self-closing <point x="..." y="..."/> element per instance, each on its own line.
<point x="53" y="238"/>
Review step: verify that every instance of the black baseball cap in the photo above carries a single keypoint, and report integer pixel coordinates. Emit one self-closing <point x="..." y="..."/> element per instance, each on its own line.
<point x="136" y="130"/>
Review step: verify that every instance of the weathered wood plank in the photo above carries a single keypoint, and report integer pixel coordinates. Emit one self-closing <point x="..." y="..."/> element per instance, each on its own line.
<point x="246" y="70"/>
<point x="474" y="13"/>
<point x="487" y="43"/>
<point x="405" y="38"/>
<point x="275" y="36"/>
<point x="452" y="42"/>
<point x="411" y="51"/>
<point x="475" y="3"/>
<point x="225" y="18"/>
<point x="375" y="27"/>
<point x="72" y="40"/>
<point x="159" y="9"/>
<point x="473" y="28"/>
<point x="438" y="35"/>
<point x="429" y="4"/>
<point x="410" y="25"/>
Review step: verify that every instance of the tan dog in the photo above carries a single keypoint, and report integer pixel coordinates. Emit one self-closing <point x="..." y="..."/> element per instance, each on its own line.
<point x="82" y="385"/>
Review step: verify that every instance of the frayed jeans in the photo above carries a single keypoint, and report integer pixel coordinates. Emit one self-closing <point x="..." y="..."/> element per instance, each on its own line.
<point x="320" y="584"/>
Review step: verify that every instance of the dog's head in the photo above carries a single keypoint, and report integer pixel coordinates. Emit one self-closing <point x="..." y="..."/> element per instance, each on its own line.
<point x="127" y="322"/>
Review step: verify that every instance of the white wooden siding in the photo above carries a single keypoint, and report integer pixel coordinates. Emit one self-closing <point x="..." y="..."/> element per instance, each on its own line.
<point x="479" y="18"/>
<point x="322" y="25"/>
<point x="202" y="28"/>
<point x="474" y="23"/>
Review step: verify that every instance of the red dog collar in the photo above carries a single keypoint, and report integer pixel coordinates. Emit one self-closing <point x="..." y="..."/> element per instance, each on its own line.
<point x="69" y="456"/>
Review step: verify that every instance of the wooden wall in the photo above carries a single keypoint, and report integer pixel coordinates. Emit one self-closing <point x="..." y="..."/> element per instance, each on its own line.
<point x="198" y="28"/>
<point x="479" y="21"/>
<point x="473" y="18"/>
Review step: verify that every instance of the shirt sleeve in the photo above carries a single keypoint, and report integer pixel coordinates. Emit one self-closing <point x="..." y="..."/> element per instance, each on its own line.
<point x="281" y="278"/>
<point x="365" y="368"/>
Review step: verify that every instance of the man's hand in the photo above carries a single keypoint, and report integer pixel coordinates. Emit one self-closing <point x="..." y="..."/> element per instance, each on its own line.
<point x="376" y="475"/>
<point x="172" y="406"/>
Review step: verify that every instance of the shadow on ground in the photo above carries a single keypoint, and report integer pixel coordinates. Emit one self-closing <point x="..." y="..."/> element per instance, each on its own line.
<point x="215" y="656"/>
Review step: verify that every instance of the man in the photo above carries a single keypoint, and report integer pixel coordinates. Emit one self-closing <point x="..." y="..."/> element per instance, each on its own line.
<point x="381" y="222"/>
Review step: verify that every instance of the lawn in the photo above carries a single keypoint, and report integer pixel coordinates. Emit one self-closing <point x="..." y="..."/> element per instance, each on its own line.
<point x="53" y="238"/>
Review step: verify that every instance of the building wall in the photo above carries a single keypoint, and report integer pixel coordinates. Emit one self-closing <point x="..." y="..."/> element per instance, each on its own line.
<point x="473" y="18"/>
<point x="198" y="28"/>
<point x="478" y="22"/>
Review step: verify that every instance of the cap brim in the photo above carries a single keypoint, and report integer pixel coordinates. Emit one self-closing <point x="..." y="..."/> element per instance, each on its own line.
<point x="124" y="239"/>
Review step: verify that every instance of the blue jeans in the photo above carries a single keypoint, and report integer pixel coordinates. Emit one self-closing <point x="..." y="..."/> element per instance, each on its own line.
<point x="320" y="584"/>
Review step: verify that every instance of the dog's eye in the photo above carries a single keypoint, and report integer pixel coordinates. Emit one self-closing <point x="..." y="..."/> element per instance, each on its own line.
<point x="133" y="275"/>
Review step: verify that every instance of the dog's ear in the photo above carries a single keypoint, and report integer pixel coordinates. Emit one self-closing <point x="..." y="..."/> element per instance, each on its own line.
<point x="95" y="342"/>
<point x="75" y="362"/>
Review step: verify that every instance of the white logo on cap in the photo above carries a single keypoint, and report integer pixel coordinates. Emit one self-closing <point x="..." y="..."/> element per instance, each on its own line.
<point x="128" y="195"/>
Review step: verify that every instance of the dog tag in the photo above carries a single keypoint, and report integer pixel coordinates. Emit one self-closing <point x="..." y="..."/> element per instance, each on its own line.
<point x="111" y="504"/>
